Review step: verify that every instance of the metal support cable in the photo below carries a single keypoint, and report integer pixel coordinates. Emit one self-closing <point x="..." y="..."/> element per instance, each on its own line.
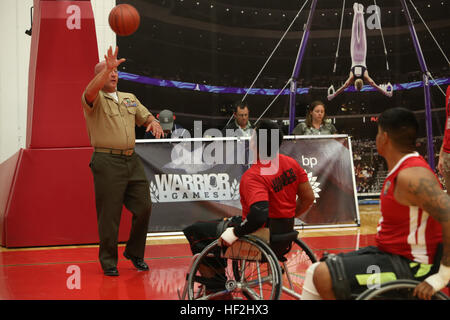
<point x="426" y="26"/>
<point x="275" y="49"/>
<point x="382" y="36"/>
<point x="274" y="99"/>
<point x="270" y="56"/>
<point x="339" y="37"/>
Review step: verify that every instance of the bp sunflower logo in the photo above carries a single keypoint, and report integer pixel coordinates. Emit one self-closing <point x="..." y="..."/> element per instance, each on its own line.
<point x="314" y="184"/>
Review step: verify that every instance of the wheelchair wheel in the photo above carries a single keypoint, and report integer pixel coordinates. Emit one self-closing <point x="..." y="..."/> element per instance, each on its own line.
<point x="246" y="270"/>
<point x="299" y="258"/>
<point x="396" y="290"/>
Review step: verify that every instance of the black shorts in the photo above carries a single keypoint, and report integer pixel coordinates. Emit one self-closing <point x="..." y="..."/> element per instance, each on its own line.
<point x="202" y="233"/>
<point x="354" y="272"/>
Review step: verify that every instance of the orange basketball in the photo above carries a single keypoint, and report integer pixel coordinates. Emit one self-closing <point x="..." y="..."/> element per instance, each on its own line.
<point x="124" y="19"/>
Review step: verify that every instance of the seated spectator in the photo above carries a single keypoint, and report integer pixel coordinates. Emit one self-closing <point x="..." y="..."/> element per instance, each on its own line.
<point x="316" y="122"/>
<point x="241" y="126"/>
<point x="166" y="119"/>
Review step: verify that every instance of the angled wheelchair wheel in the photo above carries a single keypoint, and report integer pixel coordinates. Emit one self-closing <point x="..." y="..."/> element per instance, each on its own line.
<point x="246" y="270"/>
<point x="299" y="258"/>
<point x="396" y="290"/>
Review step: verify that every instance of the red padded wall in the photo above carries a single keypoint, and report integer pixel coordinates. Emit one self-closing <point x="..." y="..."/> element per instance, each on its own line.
<point x="46" y="190"/>
<point x="63" y="55"/>
<point x="52" y="199"/>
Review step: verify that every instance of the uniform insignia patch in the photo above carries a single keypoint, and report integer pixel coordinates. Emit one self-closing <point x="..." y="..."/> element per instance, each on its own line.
<point x="129" y="103"/>
<point x="386" y="187"/>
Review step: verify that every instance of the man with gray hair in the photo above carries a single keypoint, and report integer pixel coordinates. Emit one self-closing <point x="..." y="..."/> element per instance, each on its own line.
<point x="119" y="177"/>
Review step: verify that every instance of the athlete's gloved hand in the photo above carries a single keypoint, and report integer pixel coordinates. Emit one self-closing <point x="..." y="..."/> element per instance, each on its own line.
<point x="439" y="280"/>
<point x="228" y="237"/>
<point x="433" y="283"/>
<point x="331" y="97"/>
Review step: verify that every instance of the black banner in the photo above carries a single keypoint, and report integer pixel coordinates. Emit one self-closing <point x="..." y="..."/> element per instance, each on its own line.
<point x="328" y="162"/>
<point x="198" y="179"/>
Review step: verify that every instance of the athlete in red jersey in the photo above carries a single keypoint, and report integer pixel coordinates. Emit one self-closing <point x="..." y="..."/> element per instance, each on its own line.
<point x="444" y="155"/>
<point x="407" y="230"/>
<point x="270" y="187"/>
<point x="279" y="189"/>
<point x="414" y="210"/>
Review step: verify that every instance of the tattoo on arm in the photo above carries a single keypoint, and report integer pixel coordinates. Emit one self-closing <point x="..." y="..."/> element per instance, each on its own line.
<point x="437" y="203"/>
<point x="431" y="198"/>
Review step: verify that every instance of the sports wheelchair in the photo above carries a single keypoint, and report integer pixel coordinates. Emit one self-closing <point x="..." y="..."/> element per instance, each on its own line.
<point x="403" y="289"/>
<point x="396" y="290"/>
<point x="266" y="265"/>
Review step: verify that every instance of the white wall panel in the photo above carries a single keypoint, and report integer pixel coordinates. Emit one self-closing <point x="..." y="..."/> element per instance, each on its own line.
<point x="14" y="62"/>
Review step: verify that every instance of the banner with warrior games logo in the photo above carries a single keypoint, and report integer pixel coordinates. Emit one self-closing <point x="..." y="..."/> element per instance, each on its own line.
<point x="198" y="179"/>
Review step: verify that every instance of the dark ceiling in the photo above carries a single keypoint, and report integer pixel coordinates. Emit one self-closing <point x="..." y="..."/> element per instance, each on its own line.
<point x="226" y="43"/>
<point x="216" y="48"/>
<point x="276" y="15"/>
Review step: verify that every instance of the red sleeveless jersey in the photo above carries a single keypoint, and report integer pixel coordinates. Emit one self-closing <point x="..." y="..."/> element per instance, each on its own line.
<point x="406" y="230"/>
<point x="278" y="186"/>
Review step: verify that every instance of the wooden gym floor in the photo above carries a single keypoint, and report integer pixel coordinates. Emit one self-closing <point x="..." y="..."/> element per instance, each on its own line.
<point x="74" y="273"/>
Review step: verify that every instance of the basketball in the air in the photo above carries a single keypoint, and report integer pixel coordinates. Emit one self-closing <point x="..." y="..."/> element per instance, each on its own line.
<point x="124" y="19"/>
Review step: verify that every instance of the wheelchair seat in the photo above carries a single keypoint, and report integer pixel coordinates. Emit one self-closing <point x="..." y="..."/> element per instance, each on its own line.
<point x="254" y="267"/>
<point x="279" y="234"/>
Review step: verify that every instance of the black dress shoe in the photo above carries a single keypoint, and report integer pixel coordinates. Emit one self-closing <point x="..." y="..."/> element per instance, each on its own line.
<point x="139" y="263"/>
<point x="112" y="272"/>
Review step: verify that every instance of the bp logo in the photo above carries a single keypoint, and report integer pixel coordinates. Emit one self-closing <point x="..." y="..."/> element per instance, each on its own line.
<point x="314" y="184"/>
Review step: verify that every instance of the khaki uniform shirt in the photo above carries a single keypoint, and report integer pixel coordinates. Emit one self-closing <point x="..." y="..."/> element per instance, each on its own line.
<point x="111" y="124"/>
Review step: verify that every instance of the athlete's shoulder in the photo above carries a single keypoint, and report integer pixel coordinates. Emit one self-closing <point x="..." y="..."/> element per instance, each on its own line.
<point x="250" y="173"/>
<point x="415" y="160"/>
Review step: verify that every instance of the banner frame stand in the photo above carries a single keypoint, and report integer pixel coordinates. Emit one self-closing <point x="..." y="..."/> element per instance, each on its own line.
<point x="299" y="228"/>
<point x="357" y="222"/>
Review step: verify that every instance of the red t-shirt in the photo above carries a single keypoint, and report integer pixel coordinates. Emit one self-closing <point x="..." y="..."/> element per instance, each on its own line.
<point x="406" y="230"/>
<point x="446" y="142"/>
<point x="278" y="186"/>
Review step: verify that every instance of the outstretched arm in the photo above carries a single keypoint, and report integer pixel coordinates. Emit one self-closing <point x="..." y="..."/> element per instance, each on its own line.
<point x="419" y="187"/>
<point x="373" y="84"/>
<point x="96" y="84"/>
<point x="341" y="89"/>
